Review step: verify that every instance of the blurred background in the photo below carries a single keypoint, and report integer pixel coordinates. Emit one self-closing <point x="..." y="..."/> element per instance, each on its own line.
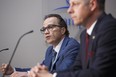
<point x="20" y="16"/>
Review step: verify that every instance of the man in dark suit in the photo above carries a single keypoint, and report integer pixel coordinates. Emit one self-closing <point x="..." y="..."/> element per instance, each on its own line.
<point x="56" y="33"/>
<point x="97" y="56"/>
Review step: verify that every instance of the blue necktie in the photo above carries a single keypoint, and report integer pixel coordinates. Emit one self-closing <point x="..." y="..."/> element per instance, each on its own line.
<point x="53" y="59"/>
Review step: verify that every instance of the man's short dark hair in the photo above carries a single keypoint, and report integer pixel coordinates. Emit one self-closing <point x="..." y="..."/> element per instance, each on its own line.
<point x="61" y="21"/>
<point x="101" y="4"/>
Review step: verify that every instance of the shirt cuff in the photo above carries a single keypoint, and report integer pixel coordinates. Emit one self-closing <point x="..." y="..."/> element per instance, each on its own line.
<point x="14" y="69"/>
<point x="54" y="74"/>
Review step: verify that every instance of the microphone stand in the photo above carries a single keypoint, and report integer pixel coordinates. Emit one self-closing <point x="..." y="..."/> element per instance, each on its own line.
<point x="4" y="49"/>
<point x="15" y="51"/>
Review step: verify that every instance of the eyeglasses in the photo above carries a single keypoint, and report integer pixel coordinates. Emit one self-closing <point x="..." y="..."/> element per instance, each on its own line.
<point x="49" y="28"/>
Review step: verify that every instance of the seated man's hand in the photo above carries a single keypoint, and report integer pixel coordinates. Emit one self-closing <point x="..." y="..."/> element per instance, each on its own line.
<point x="9" y="70"/>
<point x="39" y="68"/>
<point x="39" y="71"/>
<point x="19" y="74"/>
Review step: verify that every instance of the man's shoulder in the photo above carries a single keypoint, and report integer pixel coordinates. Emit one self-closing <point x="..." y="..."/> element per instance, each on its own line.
<point x="109" y="19"/>
<point x="70" y="43"/>
<point x="72" y="40"/>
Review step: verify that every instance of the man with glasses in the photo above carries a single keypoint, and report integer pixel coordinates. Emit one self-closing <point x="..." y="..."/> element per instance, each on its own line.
<point x="97" y="55"/>
<point x="56" y="33"/>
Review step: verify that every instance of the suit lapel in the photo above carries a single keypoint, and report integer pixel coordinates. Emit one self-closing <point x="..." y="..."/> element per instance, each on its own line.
<point x="83" y="49"/>
<point x="49" y="59"/>
<point x="90" y="50"/>
<point x="62" y="47"/>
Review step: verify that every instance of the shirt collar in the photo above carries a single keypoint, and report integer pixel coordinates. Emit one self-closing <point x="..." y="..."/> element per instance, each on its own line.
<point x="89" y="31"/>
<point x="57" y="48"/>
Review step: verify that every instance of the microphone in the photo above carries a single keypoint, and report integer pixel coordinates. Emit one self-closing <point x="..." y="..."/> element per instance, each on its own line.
<point x="15" y="51"/>
<point x="4" y="49"/>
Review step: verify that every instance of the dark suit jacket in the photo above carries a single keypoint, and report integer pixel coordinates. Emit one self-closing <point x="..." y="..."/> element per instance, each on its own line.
<point x="102" y="52"/>
<point x="66" y="57"/>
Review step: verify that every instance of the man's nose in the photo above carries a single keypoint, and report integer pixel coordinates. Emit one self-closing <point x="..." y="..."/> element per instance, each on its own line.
<point x="46" y="31"/>
<point x="69" y="10"/>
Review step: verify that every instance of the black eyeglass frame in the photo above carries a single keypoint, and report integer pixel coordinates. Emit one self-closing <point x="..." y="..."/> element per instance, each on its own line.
<point x="50" y="26"/>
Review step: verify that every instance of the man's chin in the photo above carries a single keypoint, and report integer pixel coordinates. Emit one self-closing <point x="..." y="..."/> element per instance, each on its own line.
<point x="77" y="24"/>
<point x="49" y="42"/>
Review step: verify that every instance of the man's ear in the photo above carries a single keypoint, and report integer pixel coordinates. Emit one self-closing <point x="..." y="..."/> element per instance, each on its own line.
<point x="93" y="4"/>
<point x="63" y="30"/>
